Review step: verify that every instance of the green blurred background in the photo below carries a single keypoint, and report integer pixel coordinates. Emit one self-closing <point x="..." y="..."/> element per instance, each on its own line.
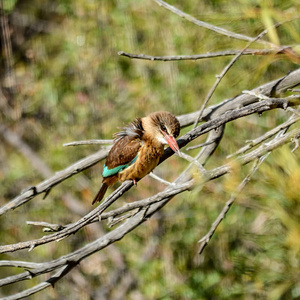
<point x="70" y="84"/>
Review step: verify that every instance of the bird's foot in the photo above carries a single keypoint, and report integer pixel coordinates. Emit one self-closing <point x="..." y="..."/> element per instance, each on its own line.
<point x="134" y="182"/>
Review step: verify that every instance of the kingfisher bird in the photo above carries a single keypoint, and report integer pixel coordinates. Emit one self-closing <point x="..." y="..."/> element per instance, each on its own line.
<point x="137" y="149"/>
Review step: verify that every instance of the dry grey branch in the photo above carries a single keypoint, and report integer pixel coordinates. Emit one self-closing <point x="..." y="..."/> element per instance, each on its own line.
<point x="205" y="240"/>
<point x="275" y="87"/>
<point x="48" y="227"/>
<point x="193" y="161"/>
<point x="257" y="107"/>
<point x="41" y="286"/>
<point x="152" y="175"/>
<point x="267" y="135"/>
<point x="19" y="264"/>
<point x="211" y="27"/>
<point x="276" y="142"/>
<point x="46" y="185"/>
<point x="223" y="73"/>
<point x="205" y="55"/>
<point x="75" y="257"/>
<point x="89" y="142"/>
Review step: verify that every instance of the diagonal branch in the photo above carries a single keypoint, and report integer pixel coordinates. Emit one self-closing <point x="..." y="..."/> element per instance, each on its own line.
<point x="209" y="175"/>
<point x="279" y="85"/>
<point x="89" y="142"/>
<point x="226" y="69"/>
<point x="43" y="285"/>
<point x="83" y="164"/>
<point x="75" y="257"/>
<point x="217" y="29"/>
<point x="267" y="135"/>
<point x="205" y="240"/>
<point x="205" y="55"/>
<point x="273" y="88"/>
<point x="46" y="185"/>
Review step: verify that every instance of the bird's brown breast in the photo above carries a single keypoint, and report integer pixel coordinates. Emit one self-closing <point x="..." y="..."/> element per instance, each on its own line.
<point x="148" y="158"/>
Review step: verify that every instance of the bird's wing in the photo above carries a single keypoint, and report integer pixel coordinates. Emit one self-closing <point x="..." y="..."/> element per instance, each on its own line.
<point x="123" y="153"/>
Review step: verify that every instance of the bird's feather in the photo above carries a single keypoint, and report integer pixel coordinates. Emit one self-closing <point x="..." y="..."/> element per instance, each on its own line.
<point x="134" y="130"/>
<point x="125" y="149"/>
<point x="110" y="172"/>
<point x="137" y="149"/>
<point x="100" y="193"/>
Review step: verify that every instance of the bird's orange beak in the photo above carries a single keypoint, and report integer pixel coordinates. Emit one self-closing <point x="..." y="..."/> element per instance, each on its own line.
<point x="172" y="142"/>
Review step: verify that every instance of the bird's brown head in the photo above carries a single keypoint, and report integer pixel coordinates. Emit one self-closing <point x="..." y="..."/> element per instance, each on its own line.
<point x="164" y="127"/>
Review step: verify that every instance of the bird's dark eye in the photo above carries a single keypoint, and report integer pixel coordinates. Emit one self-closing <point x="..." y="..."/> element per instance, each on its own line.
<point x="163" y="128"/>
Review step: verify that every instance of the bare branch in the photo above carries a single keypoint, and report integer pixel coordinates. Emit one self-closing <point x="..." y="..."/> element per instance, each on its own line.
<point x="273" y="88"/>
<point x="205" y="240"/>
<point x="276" y="142"/>
<point x="200" y="145"/>
<point x="89" y="142"/>
<point x="81" y="165"/>
<point x="48" y="227"/>
<point x="41" y="286"/>
<point x="265" y="136"/>
<point x="217" y="172"/>
<point x="195" y="57"/>
<point x="123" y="229"/>
<point x="152" y="175"/>
<point x="193" y="161"/>
<point x="49" y="183"/>
<point x="217" y="29"/>
<point x="223" y="73"/>
<point x="19" y="264"/>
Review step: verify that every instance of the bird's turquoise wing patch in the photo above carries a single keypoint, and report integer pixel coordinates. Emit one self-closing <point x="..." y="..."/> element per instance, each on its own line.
<point x="110" y="172"/>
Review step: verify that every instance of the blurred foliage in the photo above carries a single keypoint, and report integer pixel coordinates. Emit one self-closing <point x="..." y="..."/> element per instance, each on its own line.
<point x="72" y="85"/>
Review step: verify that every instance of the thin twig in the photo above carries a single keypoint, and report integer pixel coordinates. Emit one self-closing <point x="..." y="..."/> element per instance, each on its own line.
<point x="296" y="142"/>
<point x="19" y="264"/>
<point x="200" y="145"/>
<point x="211" y="174"/>
<point x="43" y="285"/>
<point x="115" y="220"/>
<point x="205" y="240"/>
<point x="223" y="73"/>
<point x="133" y="222"/>
<point x="83" y="164"/>
<point x="48" y="227"/>
<point x="193" y="161"/>
<point x="159" y="179"/>
<point x="203" y="56"/>
<point x="265" y="136"/>
<point x="89" y="142"/>
<point x="217" y="29"/>
<point x="58" y="177"/>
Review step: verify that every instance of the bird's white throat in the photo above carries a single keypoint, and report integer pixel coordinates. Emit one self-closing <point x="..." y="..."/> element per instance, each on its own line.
<point x="162" y="140"/>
